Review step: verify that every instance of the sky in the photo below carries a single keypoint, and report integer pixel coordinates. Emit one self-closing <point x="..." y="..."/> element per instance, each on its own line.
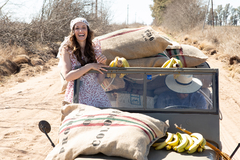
<point x="123" y="11"/>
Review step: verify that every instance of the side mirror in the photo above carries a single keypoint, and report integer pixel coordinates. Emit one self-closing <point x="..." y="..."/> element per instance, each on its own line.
<point x="45" y="127"/>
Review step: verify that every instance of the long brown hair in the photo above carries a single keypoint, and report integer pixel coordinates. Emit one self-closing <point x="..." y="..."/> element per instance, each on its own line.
<point x="88" y="50"/>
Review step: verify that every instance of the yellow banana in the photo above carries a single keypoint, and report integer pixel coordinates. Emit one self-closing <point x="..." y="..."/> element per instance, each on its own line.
<point x="118" y="62"/>
<point x="198" y="136"/>
<point x="170" y="64"/>
<point x="180" y="150"/>
<point x="183" y="141"/>
<point x="200" y="149"/>
<point x="168" y="147"/>
<point x="166" y="63"/>
<point x="113" y="63"/>
<point x="194" y="147"/>
<point x="156" y="144"/>
<point x="180" y="63"/>
<point x="124" y="63"/>
<point x="163" y="144"/>
<point x="198" y="140"/>
<point x="190" y="142"/>
<point x="175" y="141"/>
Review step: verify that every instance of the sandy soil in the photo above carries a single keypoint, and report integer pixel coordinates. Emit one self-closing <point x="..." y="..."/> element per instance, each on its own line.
<point x="23" y="105"/>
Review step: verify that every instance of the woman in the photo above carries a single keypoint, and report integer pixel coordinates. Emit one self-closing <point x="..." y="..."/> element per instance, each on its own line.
<point x="78" y="51"/>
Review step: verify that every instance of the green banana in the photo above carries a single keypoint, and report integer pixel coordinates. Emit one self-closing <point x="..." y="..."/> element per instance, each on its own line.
<point x="163" y="144"/>
<point x="202" y="145"/>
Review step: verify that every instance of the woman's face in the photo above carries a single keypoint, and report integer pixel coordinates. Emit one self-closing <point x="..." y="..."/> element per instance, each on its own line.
<point x="80" y="31"/>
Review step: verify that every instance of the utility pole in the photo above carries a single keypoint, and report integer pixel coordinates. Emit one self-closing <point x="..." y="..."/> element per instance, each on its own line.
<point x="135" y="17"/>
<point x="127" y="12"/>
<point x="206" y="12"/>
<point x="212" y="15"/>
<point x="96" y="9"/>
<point x="101" y="9"/>
<point x="92" y="9"/>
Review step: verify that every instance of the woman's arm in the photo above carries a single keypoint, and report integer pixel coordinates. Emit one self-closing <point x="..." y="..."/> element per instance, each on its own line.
<point x="70" y="74"/>
<point x="101" y="59"/>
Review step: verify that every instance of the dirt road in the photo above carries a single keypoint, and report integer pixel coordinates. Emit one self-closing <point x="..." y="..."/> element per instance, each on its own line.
<point x="25" y="104"/>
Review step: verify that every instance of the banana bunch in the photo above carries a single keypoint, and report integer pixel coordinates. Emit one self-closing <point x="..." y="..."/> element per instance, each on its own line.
<point x="172" y="63"/>
<point x="118" y="62"/>
<point x="181" y="142"/>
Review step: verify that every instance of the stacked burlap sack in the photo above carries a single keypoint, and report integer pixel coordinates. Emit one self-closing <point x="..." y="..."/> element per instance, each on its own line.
<point x="87" y="130"/>
<point x="144" y="47"/>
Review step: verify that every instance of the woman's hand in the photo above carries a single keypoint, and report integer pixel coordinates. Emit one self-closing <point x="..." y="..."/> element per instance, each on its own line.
<point x="102" y="59"/>
<point x="98" y="67"/>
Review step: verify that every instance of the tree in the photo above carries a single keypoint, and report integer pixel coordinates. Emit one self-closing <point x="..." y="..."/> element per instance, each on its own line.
<point x="218" y="14"/>
<point x="238" y="13"/>
<point x="56" y="15"/>
<point x="2" y="7"/>
<point x="183" y="15"/>
<point x="233" y="17"/>
<point x="226" y="13"/>
<point x="158" y="8"/>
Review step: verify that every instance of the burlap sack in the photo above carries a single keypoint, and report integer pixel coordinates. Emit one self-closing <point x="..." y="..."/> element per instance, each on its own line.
<point x="132" y="43"/>
<point x="189" y="55"/>
<point x="155" y="61"/>
<point x="88" y="130"/>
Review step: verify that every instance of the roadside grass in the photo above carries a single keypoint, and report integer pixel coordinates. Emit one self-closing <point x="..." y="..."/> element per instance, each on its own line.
<point x="221" y="41"/>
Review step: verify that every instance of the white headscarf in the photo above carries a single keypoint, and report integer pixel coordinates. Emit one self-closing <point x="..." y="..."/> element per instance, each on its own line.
<point x="76" y="20"/>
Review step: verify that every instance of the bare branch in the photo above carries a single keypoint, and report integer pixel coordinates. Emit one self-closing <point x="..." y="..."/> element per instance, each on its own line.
<point x="4" y="4"/>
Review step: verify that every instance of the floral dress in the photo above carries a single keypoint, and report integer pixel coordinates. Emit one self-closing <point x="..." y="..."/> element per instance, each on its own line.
<point x="91" y="92"/>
